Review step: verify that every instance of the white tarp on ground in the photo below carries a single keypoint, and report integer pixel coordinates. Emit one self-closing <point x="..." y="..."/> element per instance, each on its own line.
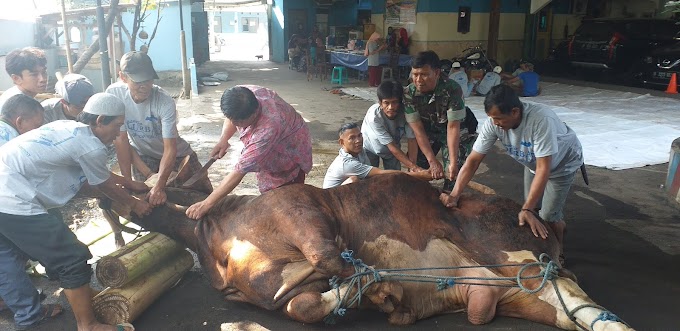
<point x="618" y="130"/>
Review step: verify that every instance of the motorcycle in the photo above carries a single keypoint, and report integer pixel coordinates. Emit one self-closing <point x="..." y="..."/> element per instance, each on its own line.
<point x="472" y="58"/>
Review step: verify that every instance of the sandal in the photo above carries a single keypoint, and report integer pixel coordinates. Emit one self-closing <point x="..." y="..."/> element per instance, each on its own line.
<point x="41" y="294"/>
<point x="48" y="311"/>
<point x="122" y="326"/>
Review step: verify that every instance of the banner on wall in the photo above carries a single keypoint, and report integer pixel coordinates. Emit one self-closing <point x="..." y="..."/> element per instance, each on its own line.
<point x="400" y="11"/>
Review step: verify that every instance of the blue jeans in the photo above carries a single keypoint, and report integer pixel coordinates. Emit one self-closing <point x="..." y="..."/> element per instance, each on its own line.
<point x="16" y="288"/>
<point x="554" y="195"/>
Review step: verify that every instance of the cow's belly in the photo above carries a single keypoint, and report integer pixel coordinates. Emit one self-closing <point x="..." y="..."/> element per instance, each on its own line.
<point x="424" y="298"/>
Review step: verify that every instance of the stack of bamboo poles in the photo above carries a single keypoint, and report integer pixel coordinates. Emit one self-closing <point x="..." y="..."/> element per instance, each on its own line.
<point x="136" y="275"/>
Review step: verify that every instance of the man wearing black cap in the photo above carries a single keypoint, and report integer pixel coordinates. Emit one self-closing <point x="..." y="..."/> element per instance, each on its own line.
<point x="74" y="90"/>
<point x="150" y="128"/>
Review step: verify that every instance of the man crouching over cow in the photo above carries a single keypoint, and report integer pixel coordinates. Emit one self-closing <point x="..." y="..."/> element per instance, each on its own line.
<point x="352" y="163"/>
<point x="535" y="137"/>
<point x="276" y="140"/>
<point x="44" y="169"/>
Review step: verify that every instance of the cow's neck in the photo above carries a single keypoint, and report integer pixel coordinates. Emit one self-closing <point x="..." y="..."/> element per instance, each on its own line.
<point x="171" y="222"/>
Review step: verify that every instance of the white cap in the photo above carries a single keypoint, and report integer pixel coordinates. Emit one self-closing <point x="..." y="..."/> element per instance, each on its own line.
<point x="455" y="65"/>
<point x="105" y="104"/>
<point x="497" y="69"/>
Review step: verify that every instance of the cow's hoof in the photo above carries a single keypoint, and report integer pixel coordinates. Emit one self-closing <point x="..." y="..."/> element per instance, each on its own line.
<point x="402" y="316"/>
<point x="307" y="307"/>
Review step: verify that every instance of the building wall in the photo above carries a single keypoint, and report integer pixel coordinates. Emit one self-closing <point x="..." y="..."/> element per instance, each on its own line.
<point x="165" y="48"/>
<point x="281" y="28"/>
<point x="249" y="43"/>
<point x="21" y="35"/>
<point x="437" y="24"/>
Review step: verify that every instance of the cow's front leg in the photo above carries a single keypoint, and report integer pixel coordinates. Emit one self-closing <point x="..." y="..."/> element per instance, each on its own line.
<point x="313" y="307"/>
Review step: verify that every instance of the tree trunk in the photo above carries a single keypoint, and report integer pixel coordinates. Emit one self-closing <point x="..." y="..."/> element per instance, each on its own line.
<point x="124" y="305"/>
<point x="94" y="47"/>
<point x="136" y="259"/>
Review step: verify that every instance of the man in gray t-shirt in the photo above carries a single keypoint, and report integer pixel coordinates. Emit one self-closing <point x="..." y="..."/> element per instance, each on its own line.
<point x="150" y="128"/>
<point x="74" y="90"/>
<point x="533" y="135"/>
<point x="383" y="127"/>
<point x="352" y="163"/>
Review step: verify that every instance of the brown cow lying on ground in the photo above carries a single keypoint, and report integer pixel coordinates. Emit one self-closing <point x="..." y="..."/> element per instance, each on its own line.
<point x="278" y="250"/>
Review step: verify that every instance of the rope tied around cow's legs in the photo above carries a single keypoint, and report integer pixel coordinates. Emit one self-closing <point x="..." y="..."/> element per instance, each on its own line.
<point x="606" y="316"/>
<point x="360" y="270"/>
<point x="549" y="273"/>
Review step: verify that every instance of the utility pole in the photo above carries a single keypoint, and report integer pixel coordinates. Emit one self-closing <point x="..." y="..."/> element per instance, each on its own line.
<point x="186" y="89"/>
<point x="494" y="25"/>
<point x="67" y="37"/>
<point x="103" y="47"/>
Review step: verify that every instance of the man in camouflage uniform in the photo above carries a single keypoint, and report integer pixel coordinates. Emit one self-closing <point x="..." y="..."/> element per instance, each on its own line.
<point x="435" y="110"/>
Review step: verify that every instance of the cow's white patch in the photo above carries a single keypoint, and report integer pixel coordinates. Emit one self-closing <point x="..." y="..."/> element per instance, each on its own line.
<point x="240" y="250"/>
<point x="519" y="256"/>
<point x="389" y="253"/>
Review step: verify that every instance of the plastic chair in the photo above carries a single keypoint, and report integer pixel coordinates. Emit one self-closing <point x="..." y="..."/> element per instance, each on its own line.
<point x="339" y="75"/>
<point x="392" y="66"/>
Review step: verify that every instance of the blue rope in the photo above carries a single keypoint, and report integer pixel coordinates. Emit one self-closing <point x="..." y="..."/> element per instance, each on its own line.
<point x="605" y="316"/>
<point x="549" y="273"/>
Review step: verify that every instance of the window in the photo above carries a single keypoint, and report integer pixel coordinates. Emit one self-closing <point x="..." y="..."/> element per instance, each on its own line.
<point x="250" y="24"/>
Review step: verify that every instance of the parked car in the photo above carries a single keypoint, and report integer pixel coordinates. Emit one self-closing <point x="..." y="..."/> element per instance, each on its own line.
<point x="660" y="65"/>
<point x="618" y="45"/>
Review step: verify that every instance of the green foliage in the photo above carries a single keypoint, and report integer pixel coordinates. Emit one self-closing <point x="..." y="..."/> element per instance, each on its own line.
<point x="672" y="7"/>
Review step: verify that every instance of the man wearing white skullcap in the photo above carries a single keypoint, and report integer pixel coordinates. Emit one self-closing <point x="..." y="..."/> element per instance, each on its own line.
<point x="44" y="169"/>
<point x="74" y="90"/>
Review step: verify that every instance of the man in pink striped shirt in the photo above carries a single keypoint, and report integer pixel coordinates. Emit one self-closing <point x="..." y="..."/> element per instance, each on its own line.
<point x="276" y="140"/>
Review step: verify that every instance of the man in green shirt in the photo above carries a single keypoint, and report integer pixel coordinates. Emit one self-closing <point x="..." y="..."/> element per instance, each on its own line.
<point x="435" y="110"/>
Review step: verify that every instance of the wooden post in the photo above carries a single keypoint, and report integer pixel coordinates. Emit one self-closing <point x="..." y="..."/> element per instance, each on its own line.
<point x="67" y="37"/>
<point x="494" y="26"/>
<point x="136" y="259"/>
<point x="186" y="86"/>
<point x="124" y="305"/>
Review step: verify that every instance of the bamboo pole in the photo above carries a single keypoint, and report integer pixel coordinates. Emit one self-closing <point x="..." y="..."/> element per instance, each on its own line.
<point x="124" y="305"/>
<point x="136" y="259"/>
<point x="67" y="37"/>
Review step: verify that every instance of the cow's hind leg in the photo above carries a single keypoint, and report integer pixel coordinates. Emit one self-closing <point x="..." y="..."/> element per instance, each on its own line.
<point x="545" y="307"/>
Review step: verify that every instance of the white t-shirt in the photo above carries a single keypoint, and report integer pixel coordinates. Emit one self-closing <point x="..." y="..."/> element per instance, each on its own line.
<point x="379" y="131"/>
<point x="151" y="121"/>
<point x="541" y="133"/>
<point x="12" y="91"/>
<point x="346" y="165"/>
<point x="489" y="80"/>
<point x="374" y="57"/>
<point x="7" y="132"/>
<point x="45" y="168"/>
<point x="54" y="110"/>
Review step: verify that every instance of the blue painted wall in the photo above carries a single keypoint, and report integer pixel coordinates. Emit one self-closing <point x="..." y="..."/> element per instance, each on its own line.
<point x="280" y="28"/>
<point x="226" y="18"/>
<point x="343" y="13"/>
<point x="165" y="48"/>
<point x="278" y="44"/>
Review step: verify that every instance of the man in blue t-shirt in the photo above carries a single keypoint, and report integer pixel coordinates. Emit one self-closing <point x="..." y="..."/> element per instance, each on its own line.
<point x="527" y="81"/>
